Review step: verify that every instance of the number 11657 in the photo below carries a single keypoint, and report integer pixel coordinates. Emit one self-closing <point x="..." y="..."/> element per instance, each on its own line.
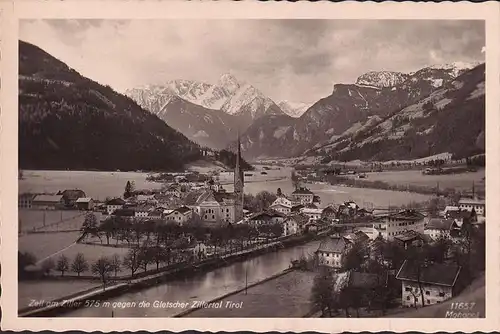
<point x="462" y="306"/>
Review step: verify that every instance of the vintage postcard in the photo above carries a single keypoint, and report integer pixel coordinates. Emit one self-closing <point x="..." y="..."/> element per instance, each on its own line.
<point x="250" y="166"/>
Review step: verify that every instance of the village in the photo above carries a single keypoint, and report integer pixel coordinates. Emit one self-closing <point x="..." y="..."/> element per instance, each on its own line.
<point x="394" y="257"/>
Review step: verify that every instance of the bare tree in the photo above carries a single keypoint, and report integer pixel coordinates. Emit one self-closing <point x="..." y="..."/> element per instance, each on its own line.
<point x="79" y="264"/>
<point x="116" y="263"/>
<point x="131" y="260"/>
<point x="62" y="264"/>
<point x="102" y="268"/>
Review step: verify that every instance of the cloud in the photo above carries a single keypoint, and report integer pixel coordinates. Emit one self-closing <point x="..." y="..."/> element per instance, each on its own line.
<point x="286" y="59"/>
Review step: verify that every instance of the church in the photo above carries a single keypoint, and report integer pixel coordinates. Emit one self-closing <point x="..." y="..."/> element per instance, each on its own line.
<point x="216" y="206"/>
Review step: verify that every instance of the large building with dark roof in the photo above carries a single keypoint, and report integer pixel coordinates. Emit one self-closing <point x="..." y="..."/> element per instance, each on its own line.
<point x="331" y="252"/>
<point x="438" y="282"/>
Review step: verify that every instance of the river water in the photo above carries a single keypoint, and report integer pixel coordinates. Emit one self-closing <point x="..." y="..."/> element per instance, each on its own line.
<point x="202" y="287"/>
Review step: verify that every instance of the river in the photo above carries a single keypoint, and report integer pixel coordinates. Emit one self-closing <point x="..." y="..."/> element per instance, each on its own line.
<point x="201" y="287"/>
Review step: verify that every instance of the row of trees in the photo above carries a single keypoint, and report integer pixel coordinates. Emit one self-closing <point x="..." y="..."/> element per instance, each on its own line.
<point x="171" y="234"/>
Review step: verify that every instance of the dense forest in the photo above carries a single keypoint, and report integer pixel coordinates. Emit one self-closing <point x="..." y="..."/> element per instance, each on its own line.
<point x="67" y="121"/>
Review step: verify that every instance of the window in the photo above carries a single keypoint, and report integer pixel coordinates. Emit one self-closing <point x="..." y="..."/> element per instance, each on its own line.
<point x="408" y="298"/>
<point x="408" y="288"/>
<point x="428" y="293"/>
<point x="441" y="294"/>
<point x="428" y="301"/>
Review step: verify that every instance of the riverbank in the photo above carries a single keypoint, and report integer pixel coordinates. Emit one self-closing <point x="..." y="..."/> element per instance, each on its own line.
<point x="285" y="295"/>
<point x="78" y="301"/>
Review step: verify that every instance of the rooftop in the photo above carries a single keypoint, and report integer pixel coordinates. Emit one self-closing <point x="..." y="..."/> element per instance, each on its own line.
<point x="84" y="200"/>
<point x="440" y="224"/>
<point x="115" y="201"/>
<point x="472" y="201"/>
<point x="302" y="191"/>
<point x="48" y="198"/>
<point x="434" y="273"/>
<point x="333" y="245"/>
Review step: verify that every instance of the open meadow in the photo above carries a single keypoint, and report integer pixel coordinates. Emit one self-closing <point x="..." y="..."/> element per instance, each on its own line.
<point x="50" y="220"/>
<point x="461" y="181"/>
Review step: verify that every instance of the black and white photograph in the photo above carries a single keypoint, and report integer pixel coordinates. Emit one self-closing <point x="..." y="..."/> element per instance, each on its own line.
<point x="251" y="168"/>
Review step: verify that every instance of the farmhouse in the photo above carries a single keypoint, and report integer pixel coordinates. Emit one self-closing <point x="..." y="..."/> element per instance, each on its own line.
<point x="143" y="211"/>
<point x="48" y="202"/>
<point x="282" y="204"/>
<point x="303" y="195"/>
<point x="179" y="215"/>
<point x="410" y="238"/>
<point x="438" y="227"/>
<point x="85" y="203"/>
<point x="313" y="214"/>
<point x="434" y="283"/>
<point x="294" y="224"/>
<point x="331" y="252"/>
<point x="266" y="218"/>
<point x="469" y="204"/>
<point x="114" y="204"/>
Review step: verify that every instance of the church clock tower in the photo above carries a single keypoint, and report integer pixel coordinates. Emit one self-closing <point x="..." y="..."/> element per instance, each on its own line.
<point x="238" y="185"/>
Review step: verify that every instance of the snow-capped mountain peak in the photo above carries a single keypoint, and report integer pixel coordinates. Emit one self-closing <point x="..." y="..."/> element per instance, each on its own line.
<point x="294" y="109"/>
<point x="381" y="79"/>
<point x="456" y="68"/>
<point x="229" y="83"/>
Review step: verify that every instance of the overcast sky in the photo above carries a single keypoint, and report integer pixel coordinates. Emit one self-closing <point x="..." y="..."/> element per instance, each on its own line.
<point x="296" y="60"/>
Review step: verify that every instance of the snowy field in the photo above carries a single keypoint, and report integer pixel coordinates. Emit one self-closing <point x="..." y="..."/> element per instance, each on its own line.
<point x="415" y="177"/>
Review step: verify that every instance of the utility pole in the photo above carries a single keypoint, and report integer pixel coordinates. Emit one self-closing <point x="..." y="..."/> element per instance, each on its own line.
<point x="246" y="278"/>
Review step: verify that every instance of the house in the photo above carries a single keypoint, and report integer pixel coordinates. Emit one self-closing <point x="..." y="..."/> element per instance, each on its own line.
<point x="448" y="209"/>
<point x="48" y="202"/>
<point x="173" y="190"/>
<point x="469" y="204"/>
<point x="114" y="204"/>
<point x="294" y="224"/>
<point x="438" y="227"/>
<point x="25" y="200"/>
<point x="313" y="214"/>
<point x="434" y="282"/>
<point x="410" y="238"/>
<point x="331" y="252"/>
<point x="143" y="211"/>
<point x="462" y="216"/>
<point x="348" y="208"/>
<point x="282" y="204"/>
<point x="156" y="213"/>
<point x="71" y="196"/>
<point x="329" y="213"/>
<point x="303" y="195"/>
<point x="266" y="218"/>
<point x="85" y="203"/>
<point x="149" y="199"/>
<point x="124" y="212"/>
<point x="393" y="224"/>
<point x="180" y="215"/>
<point x="357" y="237"/>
